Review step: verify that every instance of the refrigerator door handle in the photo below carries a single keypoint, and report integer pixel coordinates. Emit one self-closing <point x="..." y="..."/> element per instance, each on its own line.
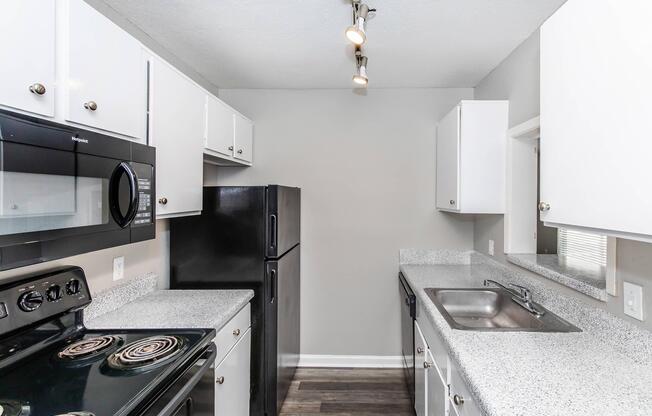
<point x="273" y="231"/>
<point x="273" y="285"/>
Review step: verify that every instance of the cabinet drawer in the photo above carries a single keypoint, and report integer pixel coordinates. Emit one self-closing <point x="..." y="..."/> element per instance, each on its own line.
<point x="232" y="380"/>
<point x="232" y="332"/>
<point x="458" y="388"/>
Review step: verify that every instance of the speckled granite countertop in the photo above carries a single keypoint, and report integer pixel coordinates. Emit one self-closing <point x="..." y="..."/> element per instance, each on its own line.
<point x="604" y="370"/>
<point x="166" y="308"/>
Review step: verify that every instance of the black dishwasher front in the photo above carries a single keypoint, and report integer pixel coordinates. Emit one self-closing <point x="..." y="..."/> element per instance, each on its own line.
<point x="408" y="314"/>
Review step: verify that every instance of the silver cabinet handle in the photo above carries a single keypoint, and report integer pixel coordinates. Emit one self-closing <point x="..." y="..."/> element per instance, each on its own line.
<point x="419" y="350"/>
<point x="230" y="147"/>
<point x="219" y="380"/>
<point x="452" y="202"/>
<point x="38" y="88"/>
<point x="91" y="105"/>
<point x="236" y="332"/>
<point x="544" y="206"/>
<point x="163" y="201"/>
<point x="427" y="364"/>
<point x="239" y="151"/>
<point x="458" y="400"/>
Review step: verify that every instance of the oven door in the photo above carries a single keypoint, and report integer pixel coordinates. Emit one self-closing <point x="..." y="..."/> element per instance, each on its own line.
<point x="62" y="192"/>
<point x="192" y="393"/>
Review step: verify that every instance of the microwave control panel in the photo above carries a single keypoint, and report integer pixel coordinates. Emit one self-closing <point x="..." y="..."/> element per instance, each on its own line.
<point x="145" y="213"/>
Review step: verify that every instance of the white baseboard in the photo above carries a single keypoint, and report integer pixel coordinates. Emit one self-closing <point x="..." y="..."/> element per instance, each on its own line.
<point x="351" y="361"/>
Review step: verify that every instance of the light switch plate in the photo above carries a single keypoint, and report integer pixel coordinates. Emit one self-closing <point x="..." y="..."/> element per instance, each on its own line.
<point x="633" y="300"/>
<point x="118" y="268"/>
<point x="491" y="247"/>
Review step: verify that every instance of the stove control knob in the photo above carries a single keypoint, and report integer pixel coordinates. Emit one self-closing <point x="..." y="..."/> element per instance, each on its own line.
<point x="53" y="293"/>
<point x="73" y="287"/>
<point x="30" y="301"/>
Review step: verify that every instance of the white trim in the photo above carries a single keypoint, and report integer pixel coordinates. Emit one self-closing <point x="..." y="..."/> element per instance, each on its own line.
<point x="612" y="282"/>
<point x="351" y="361"/>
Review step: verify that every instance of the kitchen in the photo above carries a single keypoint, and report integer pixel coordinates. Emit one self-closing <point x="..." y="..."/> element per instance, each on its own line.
<point x="167" y="125"/>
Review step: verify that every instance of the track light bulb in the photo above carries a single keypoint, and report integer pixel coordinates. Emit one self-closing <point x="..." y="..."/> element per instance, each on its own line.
<point x="356" y="33"/>
<point x="360" y="77"/>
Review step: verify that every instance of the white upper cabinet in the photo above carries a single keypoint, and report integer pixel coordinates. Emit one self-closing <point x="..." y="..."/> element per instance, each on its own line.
<point x="596" y="63"/>
<point x="27" y="72"/>
<point x="471" y="158"/>
<point x="177" y="130"/>
<point x="244" y="138"/>
<point x="106" y="73"/>
<point x="219" y="127"/>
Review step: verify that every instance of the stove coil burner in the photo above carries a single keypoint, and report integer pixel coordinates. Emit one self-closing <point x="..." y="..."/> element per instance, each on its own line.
<point x="146" y="353"/>
<point x="13" y="408"/>
<point x="88" y="347"/>
<point x="77" y="414"/>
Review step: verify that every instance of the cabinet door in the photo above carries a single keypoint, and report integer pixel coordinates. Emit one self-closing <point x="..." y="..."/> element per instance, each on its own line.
<point x="177" y="131"/>
<point x="437" y="389"/>
<point x="244" y="138"/>
<point x="461" y="400"/>
<point x="107" y="74"/>
<point x="232" y="380"/>
<point x="27" y="28"/>
<point x="448" y="147"/>
<point x="219" y="126"/>
<point x="595" y="130"/>
<point x="420" y="376"/>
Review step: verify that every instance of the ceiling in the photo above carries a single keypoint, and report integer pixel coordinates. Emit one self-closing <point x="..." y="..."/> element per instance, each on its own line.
<point x="301" y="43"/>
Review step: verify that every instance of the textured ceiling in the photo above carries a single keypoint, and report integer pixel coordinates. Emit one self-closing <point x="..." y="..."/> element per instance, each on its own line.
<point x="301" y="43"/>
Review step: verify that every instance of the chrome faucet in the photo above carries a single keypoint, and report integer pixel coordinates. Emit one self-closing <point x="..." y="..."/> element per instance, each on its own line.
<point x="521" y="295"/>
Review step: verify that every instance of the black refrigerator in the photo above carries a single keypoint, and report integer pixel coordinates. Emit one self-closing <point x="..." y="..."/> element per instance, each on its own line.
<point x="249" y="237"/>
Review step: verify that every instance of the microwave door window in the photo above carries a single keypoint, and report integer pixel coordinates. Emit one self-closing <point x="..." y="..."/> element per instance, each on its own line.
<point x="32" y="202"/>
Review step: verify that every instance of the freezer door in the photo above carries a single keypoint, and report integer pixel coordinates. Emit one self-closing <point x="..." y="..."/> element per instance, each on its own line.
<point x="282" y="326"/>
<point x="283" y="219"/>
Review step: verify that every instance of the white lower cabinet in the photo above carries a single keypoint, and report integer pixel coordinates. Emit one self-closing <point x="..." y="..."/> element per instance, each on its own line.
<point x="420" y="376"/>
<point x="232" y="380"/>
<point x="441" y="390"/>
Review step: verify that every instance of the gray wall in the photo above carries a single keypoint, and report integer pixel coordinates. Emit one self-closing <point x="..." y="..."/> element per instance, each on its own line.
<point x="140" y="259"/>
<point x="366" y="166"/>
<point x="517" y="79"/>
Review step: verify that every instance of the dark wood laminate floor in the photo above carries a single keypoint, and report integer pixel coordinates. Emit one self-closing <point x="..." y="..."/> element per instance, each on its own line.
<point x="348" y="392"/>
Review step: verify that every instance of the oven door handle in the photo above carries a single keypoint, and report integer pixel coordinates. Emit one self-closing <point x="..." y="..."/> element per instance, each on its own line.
<point x="114" y="194"/>
<point x="182" y="395"/>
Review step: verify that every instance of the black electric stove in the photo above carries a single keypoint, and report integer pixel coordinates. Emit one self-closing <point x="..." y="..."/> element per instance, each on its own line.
<point x="50" y="364"/>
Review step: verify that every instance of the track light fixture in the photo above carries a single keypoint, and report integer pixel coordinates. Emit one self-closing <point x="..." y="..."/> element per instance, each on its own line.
<point x="360" y="77"/>
<point x="356" y="33"/>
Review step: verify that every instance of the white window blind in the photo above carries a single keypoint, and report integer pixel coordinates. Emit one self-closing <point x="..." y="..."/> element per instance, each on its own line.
<point x="582" y="246"/>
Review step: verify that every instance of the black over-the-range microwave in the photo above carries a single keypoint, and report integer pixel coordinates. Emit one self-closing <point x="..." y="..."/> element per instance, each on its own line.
<point x="67" y="191"/>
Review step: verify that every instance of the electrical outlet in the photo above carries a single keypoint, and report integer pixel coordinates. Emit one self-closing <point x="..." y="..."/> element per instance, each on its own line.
<point x="491" y="247"/>
<point x="633" y="300"/>
<point x="118" y="268"/>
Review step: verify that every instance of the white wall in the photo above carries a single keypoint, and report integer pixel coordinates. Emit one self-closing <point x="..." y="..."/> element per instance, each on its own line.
<point x="366" y="166"/>
<point x="517" y="79"/>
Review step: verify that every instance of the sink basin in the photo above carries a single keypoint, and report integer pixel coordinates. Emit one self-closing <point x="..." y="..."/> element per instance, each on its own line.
<point x="492" y="309"/>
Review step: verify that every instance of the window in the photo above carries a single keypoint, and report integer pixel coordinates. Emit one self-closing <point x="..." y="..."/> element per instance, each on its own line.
<point x="579" y="245"/>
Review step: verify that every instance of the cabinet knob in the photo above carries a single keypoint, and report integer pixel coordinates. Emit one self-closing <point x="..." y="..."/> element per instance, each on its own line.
<point x="163" y="201"/>
<point x="236" y="332"/>
<point x="91" y="105"/>
<point x="427" y="364"/>
<point x="544" y="206"/>
<point x="219" y="380"/>
<point x="452" y="202"/>
<point x="458" y="400"/>
<point x="239" y="151"/>
<point x="38" y="89"/>
<point x="230" y="147"/>
<point x="419" y="350"/>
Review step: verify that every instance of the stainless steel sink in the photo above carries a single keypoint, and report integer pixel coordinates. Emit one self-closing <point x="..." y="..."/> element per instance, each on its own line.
<point x="493" y="309"/>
